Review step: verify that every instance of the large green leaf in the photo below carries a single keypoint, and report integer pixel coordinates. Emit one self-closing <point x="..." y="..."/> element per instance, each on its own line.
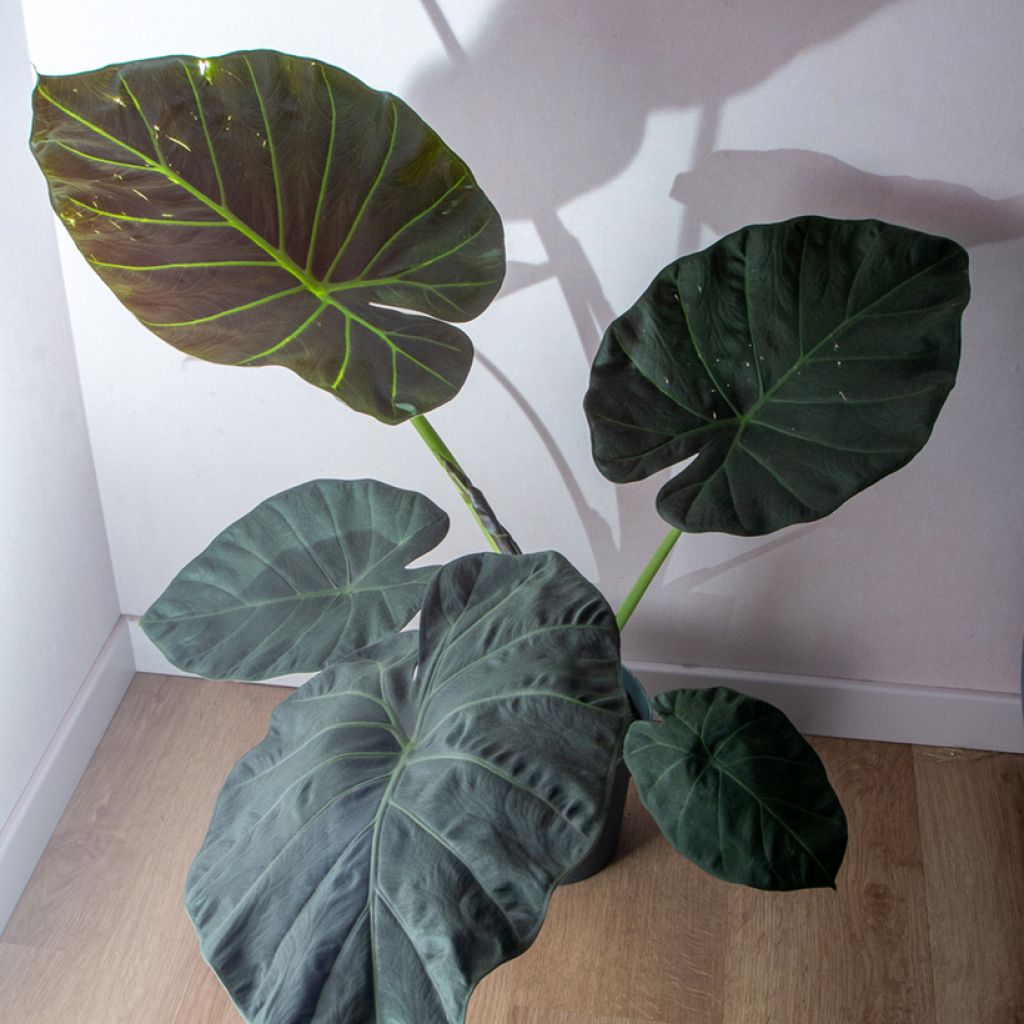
<point x="737" y="790"/>
<point x="400" y="830"/>
<point x="307" y="576"/>
<point x="259" y="208"/>
<point x="800" y="362"/>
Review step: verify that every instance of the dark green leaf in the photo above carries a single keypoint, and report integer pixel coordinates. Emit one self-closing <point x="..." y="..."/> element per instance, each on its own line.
<point x="308" y="576"/>
<point x="259" y="208"/>
<point x="800" y="362"/>
<point x="737" y="790"/>
<point x="399" y="832"/>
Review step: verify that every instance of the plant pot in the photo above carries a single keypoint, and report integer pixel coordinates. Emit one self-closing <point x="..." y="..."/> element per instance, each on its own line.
<point x="603" y="850"/>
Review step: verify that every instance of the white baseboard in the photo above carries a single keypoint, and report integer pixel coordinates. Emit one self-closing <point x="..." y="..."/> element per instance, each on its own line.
<point x="896" y="713"/>
<point x="149" y="659"/>
<point x="933" y="716"/>
<point x="26" y="832"/>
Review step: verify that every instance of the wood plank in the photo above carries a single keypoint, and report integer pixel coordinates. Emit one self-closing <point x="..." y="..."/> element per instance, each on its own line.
<point x="638" y="942"/>
<point x="857" y="954"/>
<point x="110" y="882"/>
<point x="521" y="1015"/>
<point x="972" y="831"/>
<point x="100" y="936"/>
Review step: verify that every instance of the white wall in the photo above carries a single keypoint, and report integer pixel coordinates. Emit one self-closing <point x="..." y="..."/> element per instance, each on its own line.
<point x="58" y="603"/>
<point x="613" y="135"/>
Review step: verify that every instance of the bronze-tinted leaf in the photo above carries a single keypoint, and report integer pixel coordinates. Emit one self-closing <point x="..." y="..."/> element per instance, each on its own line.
<point x="259" y="208"/>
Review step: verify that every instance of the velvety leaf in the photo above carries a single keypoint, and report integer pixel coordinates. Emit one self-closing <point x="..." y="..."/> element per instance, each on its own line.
<point x="399" y="832"/>
<point x="259" y="208"/>
<point x="736" y="789"/>
<point x="308" y="576"/>
<point x="800" y="362"/>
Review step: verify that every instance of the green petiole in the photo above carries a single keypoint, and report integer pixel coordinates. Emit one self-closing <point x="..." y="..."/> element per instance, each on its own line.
<point x="650" y="570"/>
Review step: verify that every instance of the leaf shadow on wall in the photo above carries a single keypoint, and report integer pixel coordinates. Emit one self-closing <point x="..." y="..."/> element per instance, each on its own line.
<point x="550" y="102"/>
<point x="728" y="188"/>
<point x="732" y="188"/>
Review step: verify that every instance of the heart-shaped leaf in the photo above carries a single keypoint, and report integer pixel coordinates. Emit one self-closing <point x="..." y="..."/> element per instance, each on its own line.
<point x="736" y="789"/>
<point x="800" y="362"/>
<point x="306" y="577"/>
<point x="259" y="208"/>
<point x="399" y="832"/>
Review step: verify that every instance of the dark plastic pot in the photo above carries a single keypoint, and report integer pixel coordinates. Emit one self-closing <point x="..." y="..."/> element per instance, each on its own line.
<point x="604" y="849"/>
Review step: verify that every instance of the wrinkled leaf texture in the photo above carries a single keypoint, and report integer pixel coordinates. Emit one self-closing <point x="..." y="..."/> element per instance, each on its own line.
<point x="260" y="208"/>
<point x="399" y="832"/>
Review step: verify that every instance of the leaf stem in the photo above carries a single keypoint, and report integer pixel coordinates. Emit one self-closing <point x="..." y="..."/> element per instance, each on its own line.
<point x="643" y="581"/>
<point x="479" y="508"/>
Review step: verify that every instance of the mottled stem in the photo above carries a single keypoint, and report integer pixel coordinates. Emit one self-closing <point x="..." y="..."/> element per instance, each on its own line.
<point x="497" y="536"/>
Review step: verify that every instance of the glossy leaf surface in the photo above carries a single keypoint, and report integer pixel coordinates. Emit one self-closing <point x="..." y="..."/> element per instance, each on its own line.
<point x="259" y="208"/>
<point x="800" y="362"/>
<point x="736" y="789"/>
<point x="306" y="577"/>
<point x="399" y="832"/>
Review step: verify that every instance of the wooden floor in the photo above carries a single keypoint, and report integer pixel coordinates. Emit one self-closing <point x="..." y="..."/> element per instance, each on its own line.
<point x="927" y="924"/>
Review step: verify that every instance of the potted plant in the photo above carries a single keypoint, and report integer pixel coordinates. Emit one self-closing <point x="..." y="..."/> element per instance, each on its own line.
<point x="401" y="828"/>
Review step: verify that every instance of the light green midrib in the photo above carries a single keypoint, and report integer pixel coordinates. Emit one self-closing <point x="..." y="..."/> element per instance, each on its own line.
<point x="419" y="216"/>
<point x="357" y="220"/>
<point x="280" y="258"/>
<point x="187" y="265"/>
<point x="273" y="154"/>
<point x="206" y="132"/>
<point x="244" y="307"/>
<point x="356" y="284"/>
<point x="314" y="233"/>
<point x="318" y="287"/>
